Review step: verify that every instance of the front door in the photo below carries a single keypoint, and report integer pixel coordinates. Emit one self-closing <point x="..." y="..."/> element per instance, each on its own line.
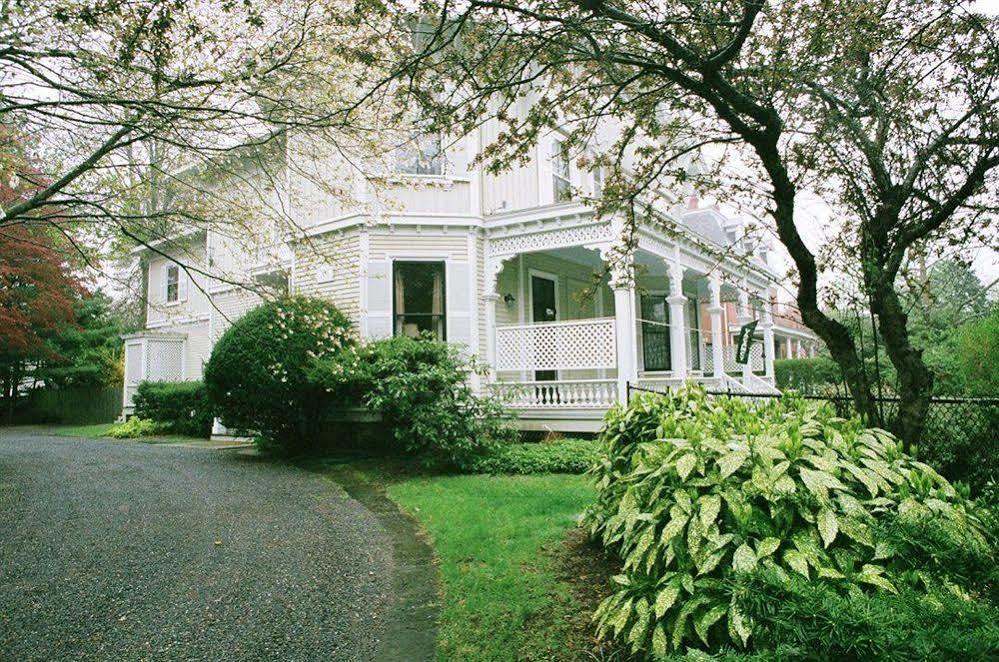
<point x="543" y="309"/>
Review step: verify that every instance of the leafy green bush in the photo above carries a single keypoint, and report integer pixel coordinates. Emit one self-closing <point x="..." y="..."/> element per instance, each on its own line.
<point x="695" y="492"/>
<point x="817" y="373"/>
<point x="256" y="376"/>
<point x="977" y="353"/>
<point x="421" y="390"/>
<point x="135" y="427"/>
<point x="565" y="456"/>
<point x="180" y="407"/>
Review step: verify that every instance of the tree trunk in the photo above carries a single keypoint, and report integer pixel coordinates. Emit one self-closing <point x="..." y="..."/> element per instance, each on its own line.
<point x="836" y="336"/>
<point x="915" y="381"/>
<point x="844" y="352"/>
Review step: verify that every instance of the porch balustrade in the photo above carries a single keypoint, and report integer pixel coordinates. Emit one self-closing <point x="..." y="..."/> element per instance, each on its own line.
<point x="567" y="394"/>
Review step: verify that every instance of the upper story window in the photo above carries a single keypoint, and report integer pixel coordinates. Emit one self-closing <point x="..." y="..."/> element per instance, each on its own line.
<point x="418" y="299"/>
<point x="421" y="155"/>
<point x="172" y="283"/>
<point x="560" y="172"/>
<point x="598" y="182"/>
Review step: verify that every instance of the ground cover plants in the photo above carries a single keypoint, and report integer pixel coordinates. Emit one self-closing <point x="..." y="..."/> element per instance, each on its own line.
<point x="569" y="456"/>
<point x="700" y="497"/>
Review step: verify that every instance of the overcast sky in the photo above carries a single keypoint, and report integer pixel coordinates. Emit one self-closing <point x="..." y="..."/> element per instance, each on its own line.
<point x="816" y="226"/>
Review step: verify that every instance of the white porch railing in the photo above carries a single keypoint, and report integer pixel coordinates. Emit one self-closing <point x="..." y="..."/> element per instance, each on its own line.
<point x="755" y="359"/>
<point x="585" y="344"/>
<point x="569" y="394"/>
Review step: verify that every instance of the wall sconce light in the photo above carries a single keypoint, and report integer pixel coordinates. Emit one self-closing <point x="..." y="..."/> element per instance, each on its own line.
<point x="508" y="298"/>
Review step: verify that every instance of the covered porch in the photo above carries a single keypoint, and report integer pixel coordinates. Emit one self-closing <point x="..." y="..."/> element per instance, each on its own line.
<point x="569" y="327"/>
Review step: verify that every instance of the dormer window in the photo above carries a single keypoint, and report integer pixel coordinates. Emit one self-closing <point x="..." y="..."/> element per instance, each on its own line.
<point x="560" y="172"/>
<point x="421" y="155"/>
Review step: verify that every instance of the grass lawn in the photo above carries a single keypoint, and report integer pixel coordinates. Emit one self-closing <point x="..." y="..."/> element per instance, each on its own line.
<point x="98" y="430"/>
<point x="497" y="539"/>
<point x="94" y="430"/>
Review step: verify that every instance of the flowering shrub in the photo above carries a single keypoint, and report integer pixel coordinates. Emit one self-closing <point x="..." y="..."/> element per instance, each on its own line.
<point x="256" y="376"/>
<point x="421" y="390"/>
<point x="696" y="494"/>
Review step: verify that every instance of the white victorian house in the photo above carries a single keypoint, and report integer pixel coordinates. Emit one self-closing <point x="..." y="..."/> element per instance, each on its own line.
<point x="515" y="267"/>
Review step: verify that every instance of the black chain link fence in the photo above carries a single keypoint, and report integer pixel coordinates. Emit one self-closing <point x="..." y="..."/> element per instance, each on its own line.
<point x="961" y="438"/>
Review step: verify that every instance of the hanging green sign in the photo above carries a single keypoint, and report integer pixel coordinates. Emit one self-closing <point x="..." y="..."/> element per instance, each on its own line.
<point x="745" y="342"/>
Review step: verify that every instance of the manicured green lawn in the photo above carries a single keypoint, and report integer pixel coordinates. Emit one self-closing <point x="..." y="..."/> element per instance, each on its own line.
<point x="495" y="537"/>
<point x="95" y="430"/>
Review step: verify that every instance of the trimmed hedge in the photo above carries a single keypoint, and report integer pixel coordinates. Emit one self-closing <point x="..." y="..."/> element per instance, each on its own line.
<point x="177" y="407"/>
<point x="806" y="374"/>
<point x="565" y="456"/>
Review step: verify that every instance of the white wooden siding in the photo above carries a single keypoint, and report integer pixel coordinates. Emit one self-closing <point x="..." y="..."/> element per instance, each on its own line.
<point x="328" y="267"/>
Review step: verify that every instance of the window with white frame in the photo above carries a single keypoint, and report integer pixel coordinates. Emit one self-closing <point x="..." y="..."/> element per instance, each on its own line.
<point x="418" y="299"/>
<point x="655" y="333"/>
<point x="598" y="182"/>
<point x="422" y="154"/>
<point x="172" y="283"/>
<point x="560" y="172"/>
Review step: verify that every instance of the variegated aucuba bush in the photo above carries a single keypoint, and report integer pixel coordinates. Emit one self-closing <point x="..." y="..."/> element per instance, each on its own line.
<point x="694" y="490"/>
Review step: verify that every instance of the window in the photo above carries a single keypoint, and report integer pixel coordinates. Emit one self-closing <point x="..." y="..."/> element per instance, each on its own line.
<point x="598" y="182"/>
<point x="655" y="332"/>
<point x="560" y="172"/>
<point x="418" y="299"/>
<point x="172" y="283"/>
<point x="420" y="155"/>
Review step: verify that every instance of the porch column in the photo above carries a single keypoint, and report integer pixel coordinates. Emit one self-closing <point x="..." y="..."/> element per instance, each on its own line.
<point x="767" y="324"/>
<point x="743" y="319"/>
<point x="677" y="322"/>
<point x="491" y="298"/>
<point x="623" y="284"/>
<point x="717" y="336"/>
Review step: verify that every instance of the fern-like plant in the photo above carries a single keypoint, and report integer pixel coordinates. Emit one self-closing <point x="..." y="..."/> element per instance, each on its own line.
<point x="694" y="491"/>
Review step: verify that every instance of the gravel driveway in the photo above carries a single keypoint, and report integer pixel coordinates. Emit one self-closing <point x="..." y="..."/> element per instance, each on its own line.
<point x="118" y="550"/>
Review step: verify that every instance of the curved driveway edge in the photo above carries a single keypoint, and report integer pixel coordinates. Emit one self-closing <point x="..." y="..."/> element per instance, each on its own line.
<point x="411" y="627"/>
<point x="116" y="550"/>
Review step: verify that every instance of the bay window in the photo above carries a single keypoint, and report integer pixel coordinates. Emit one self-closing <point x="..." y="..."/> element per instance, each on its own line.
<point x="418" y="299"/>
